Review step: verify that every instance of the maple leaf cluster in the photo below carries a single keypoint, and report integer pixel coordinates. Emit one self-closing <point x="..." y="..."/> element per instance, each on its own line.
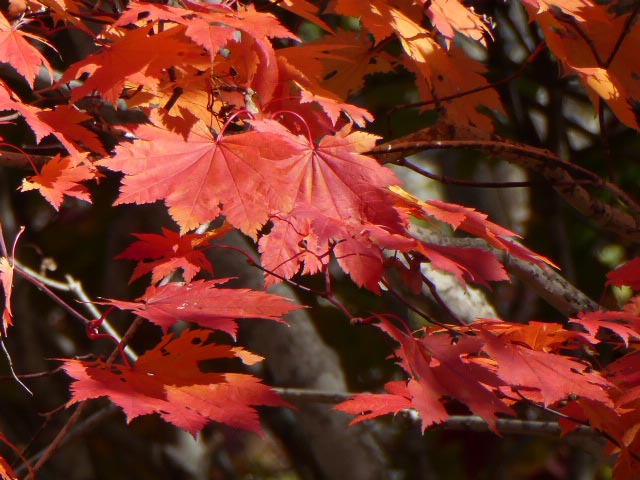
<point x="168" y="380"/>
<point x="492" y="365"/>
<point x="242" y="119"/>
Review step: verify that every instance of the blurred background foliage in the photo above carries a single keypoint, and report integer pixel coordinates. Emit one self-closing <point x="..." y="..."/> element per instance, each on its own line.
<point x="542" y="108"/>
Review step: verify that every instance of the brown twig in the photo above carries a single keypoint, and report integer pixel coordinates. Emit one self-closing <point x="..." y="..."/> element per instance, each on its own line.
<point x="623" y="222"/>
<point x="58" y="441"/>
<point x="437" y="101"/>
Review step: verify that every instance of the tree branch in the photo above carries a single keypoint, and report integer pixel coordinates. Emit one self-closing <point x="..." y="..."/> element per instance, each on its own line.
<point x="623" y="222"/>
<point x="474" y="423"/>
<point x="550" y="285"/>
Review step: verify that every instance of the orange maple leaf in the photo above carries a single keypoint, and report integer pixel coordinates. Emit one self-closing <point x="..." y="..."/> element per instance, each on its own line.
<point x="6" y="277"/>
<point x="214" y="26"/>
<point x="19" y="53"/>
<point x="168" y="380"/>
<point x="65" y="123"/>
<point x="304" y="9"/>
<point x="137" y="57"/>
<point x="584" y="37"/>
<point x="338" y="62"/>
<point x="443" y="73"/>
<point x="59" y="177"/>
<point x="10" y="101"/>
<point x="374" y="16"/>
<point x="450" y="16"/>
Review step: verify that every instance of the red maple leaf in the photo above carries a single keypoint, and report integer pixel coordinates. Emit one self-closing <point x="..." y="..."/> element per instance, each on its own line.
<point x="466" y="264"/>
<point x="194" y="176"/>
<point x="168" y="380"/>
<point x="518" y="360"/>
<point x="623" y="324"/>
<point x="536" y="374"/>
<point x="290" y="245"/>
<point x="466" y="219"/>
<point x="306" y="238"/>
<point x="626" y="275"/>
<point x="361" y="260"/>
<point x="338" y="194"/>
<point x="19" y="53"/>
<point x="333" y="176"/>
<point x="436" y="369"/>
<point x="371" y="405"/>
<point x="202" y="302"/>
<point x="59" y="177"/>
<point x="169" y="252"/>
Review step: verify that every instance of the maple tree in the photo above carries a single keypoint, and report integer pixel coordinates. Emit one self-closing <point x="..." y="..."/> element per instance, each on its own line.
<point x="254" y="146"/>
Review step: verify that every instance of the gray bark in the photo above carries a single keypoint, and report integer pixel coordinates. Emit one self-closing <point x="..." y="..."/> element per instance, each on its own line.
<point x="296" y="356"/>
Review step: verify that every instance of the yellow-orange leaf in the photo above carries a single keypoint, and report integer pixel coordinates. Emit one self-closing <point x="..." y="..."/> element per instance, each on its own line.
<point x="58" y="178"/>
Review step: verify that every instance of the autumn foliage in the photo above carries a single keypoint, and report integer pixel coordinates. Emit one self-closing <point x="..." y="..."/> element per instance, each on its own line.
<point x="233" y="119"/>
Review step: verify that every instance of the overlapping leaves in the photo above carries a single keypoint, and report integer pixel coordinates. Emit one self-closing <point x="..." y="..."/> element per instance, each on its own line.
<point x="488" y="367"/>
<point x="287" y="166"/>
<point x="168" y="380"/>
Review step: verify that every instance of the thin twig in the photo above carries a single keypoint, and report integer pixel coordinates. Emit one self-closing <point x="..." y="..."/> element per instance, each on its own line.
<point x="436" y="101"/>
<point x="80" y="429"/>
<point x="32" y="375"/>
<point x="11" y="370"/>
<point x="58" y="441"/>
<point x="74" y="287"/>
<point x="36" y="280"/>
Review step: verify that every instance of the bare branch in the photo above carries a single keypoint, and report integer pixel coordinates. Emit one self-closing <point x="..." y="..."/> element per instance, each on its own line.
<point x="75" y="287"/>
